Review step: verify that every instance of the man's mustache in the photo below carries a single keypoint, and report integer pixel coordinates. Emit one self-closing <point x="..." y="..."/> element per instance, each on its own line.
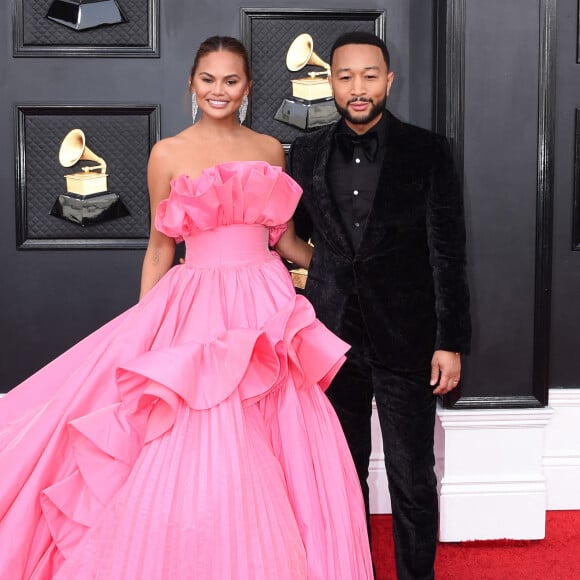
<point x="359" y="100"/>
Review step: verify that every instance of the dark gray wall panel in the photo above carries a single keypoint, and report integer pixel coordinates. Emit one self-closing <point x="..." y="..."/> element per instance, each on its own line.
<point x="49" y="299"/>
<point x="500" y="155"/>
<point x="565" y="361"/>
<point x="495" y="98"/>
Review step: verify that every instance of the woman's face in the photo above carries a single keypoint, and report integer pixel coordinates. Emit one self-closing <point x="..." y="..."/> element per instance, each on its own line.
<point x="220" y="83"/>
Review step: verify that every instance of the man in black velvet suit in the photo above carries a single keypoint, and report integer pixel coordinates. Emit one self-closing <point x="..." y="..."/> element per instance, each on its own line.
<point x="383" y="207"/>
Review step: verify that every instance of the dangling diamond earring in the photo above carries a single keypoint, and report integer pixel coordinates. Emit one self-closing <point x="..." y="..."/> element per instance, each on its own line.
<point x="194" y="107"/>
<point x="243" y="110"/>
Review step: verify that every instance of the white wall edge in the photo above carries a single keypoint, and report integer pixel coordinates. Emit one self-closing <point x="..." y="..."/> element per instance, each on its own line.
<point x="562" y="451"/>
<point x="493" y="418"/>
<point x="489" y="463"/>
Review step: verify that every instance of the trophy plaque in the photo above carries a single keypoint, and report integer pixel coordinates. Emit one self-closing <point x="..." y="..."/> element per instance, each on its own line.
<point x="311" y="104"/>
<point x="85" y="14"/>
<point x="86" y="200"/>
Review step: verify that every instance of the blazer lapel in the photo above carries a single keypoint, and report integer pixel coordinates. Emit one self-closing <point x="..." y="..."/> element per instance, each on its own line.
<point x="331" y="226"/>
<point x="376" y="217"/>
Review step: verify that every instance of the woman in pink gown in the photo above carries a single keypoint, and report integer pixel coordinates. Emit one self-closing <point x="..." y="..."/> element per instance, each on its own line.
<point x="190" y="437"/>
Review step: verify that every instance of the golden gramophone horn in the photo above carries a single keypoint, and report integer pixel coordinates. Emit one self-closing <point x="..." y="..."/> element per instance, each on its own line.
<point x="301" y="53"/>
<point x="73" y="149"/>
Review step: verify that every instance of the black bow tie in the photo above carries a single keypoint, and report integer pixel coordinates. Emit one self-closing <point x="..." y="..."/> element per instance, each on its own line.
<point x="368" y="141"/>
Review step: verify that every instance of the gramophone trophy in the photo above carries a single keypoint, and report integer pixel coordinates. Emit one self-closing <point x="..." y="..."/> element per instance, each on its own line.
<point x="86" y="200"/>
<point x="85" y="14"/>
<point x="311" y="104"/>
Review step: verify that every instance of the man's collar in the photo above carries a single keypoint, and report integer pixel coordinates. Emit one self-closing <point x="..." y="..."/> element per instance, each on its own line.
<point x="380" y="129"/>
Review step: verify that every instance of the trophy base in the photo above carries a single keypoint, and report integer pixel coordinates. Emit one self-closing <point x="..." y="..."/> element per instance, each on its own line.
<point x="93" y="14"/>
<point x="86" y="210"/>
<point x="307" y="115"/>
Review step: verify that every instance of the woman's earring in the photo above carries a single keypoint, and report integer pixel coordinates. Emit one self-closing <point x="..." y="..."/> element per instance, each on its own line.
<point x="194" y="107"/>
<point x="243" y="110"/>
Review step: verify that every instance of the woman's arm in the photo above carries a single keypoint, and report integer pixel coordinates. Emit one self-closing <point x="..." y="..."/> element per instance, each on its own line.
<point x="290" y="246"/>
<point x="160" y="251"/>
<point x="293" y="248"/>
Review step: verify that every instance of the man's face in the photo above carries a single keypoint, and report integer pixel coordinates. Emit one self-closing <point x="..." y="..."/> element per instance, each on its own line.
<point x="361" y="83"/>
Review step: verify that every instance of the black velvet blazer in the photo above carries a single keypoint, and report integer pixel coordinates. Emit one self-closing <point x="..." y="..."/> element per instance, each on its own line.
<point x="409" y="271"/>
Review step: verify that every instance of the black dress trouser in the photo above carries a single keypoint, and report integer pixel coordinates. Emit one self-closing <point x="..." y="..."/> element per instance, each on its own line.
<point x="406" y="411"/>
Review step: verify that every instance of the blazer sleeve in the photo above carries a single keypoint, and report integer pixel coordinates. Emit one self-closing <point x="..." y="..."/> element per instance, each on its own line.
<point x="447" y="238"/>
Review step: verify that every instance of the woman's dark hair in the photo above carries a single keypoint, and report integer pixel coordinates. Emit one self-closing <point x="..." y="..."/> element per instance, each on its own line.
<point x="217" y="43"/>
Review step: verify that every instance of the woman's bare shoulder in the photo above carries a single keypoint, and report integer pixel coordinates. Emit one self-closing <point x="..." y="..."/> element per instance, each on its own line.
<point x="270" y="148"/>
<point x="168" y="145"/>
<point x="174" y="153"/>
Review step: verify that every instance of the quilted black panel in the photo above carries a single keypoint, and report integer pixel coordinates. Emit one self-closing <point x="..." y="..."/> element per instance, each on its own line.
<point x="38" y="31"/>
<point x="123" y="140"/>
<point x="268" y="44"/>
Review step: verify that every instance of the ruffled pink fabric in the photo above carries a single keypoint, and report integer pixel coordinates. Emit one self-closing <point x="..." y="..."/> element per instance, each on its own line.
<point x="190" y="435"/>
<point x="229" y="193"/>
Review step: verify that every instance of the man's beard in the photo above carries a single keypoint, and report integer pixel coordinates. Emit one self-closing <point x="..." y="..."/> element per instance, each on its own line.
<point x="375" y="111"/>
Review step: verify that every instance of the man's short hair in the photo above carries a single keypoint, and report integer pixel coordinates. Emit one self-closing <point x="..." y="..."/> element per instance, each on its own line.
<point x="361" y="37"/>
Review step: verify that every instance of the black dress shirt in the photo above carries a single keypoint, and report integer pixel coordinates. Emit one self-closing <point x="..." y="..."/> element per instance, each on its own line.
<point x="353" y="181"/>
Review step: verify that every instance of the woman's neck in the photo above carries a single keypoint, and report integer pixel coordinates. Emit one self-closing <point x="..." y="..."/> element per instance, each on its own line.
<point x="219" y="128"/>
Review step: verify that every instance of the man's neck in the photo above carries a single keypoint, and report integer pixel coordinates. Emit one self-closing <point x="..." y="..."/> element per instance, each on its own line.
<point x="361" y="129"/>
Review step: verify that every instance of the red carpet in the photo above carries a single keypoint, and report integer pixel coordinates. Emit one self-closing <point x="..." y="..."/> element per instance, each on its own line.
<point x="557" y="557"/>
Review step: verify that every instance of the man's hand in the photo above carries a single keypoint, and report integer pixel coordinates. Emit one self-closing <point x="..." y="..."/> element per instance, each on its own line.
<point x="445" y="371"/>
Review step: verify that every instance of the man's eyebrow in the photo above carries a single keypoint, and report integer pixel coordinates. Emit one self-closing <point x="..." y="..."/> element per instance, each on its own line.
<point x="345" y="69"/>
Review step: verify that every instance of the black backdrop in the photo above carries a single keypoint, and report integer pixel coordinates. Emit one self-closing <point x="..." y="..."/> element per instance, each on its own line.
<point x="513" y="138"/>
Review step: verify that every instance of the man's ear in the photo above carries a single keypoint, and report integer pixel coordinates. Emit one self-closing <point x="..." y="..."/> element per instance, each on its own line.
<point x="390" y="80"/>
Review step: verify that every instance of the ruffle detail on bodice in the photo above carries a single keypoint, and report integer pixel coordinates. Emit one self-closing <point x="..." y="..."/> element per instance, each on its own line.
<point x="237" y="192"/>
<point x="292" y="348"/>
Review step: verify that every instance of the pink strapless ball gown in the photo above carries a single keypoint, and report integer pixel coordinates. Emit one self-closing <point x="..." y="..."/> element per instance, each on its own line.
<point x="190" y="437"/>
